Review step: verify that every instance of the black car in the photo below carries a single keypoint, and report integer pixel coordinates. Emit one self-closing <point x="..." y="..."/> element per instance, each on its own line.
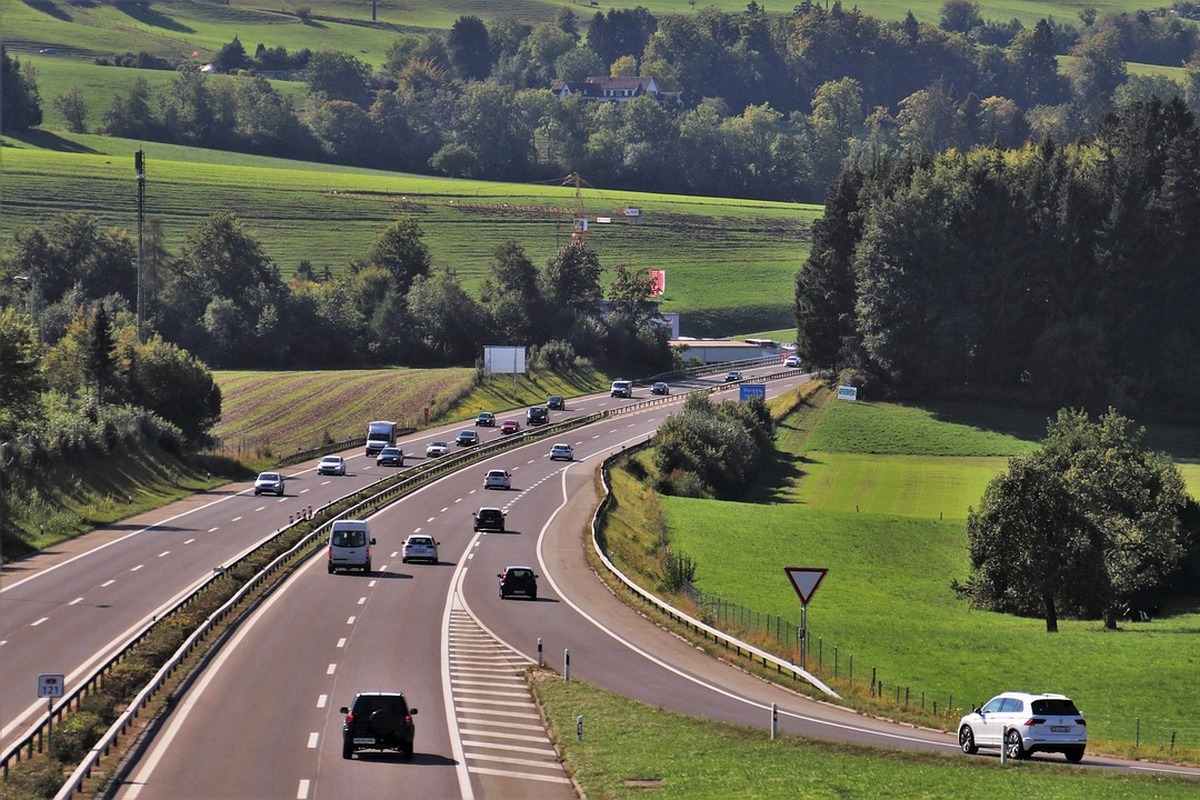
<point x="485" y="418"/>
<point x="390" y="456"/>
<point x="537" y="415"/>
<point x="489" y="519"/>
<point x="518" y="580"/>
<point x="378" y="721"/>
<point x="555" y="402"/>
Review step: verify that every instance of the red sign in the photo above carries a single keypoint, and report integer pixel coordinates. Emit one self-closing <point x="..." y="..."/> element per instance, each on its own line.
<point x="805" y="580"/>
<point x="658" y="282"/>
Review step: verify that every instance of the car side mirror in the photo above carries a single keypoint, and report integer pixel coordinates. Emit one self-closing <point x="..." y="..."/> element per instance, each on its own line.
<point x="412" y="711"/>
<point x="499" y="575"/>
<point x="372" y="540"/>
<point x="343" y="710"/>
<point x="977" y="710"/>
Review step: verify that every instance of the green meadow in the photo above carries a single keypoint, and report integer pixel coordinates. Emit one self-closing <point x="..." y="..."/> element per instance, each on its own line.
<point x="885" y="514"/>
<point x="730" y="263"/>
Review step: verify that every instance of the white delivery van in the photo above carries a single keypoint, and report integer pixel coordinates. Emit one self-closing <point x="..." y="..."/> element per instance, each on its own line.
<point x="349" y="545"/>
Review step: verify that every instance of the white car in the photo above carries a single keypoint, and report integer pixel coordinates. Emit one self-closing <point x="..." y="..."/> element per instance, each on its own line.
<point x="269" y="483"/>
<point x="563" y="451"/>
<point x="732" y="375"/>
<point x="497" y="479"/>
<point x="420" y="547"/>
<point x="435" y="449"/>
<point x="792" y="361"/>
<point x="332" y="465"/>
<point x="1024" y="723"/>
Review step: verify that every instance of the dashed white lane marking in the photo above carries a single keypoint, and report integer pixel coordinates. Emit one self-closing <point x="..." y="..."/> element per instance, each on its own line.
<point x="332" y="668"/>
<point x="235" y="519"/>
<point x="313" y="738"/>
<point x="261" y="508"/>
<point x="322" y="700"/>
<point x="107" y="583"/>
<point x="76" y="601"/>
<point x="135" y="569"/>
<point x="210" y="530"/>
<point x="164" y="553"/>
<point x="302" y="792"/>
<point x="35" y="623"/>
<point x="189" y="541"/>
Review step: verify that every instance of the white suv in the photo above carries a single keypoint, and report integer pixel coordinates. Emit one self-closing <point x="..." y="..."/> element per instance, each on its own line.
<point x="1025" y="723"/>
<point x="622" y="389"/>
<point x="497" y="479"/>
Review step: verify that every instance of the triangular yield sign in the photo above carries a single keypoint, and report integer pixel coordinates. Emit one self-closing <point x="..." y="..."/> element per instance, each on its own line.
<point x="805" y="580"/>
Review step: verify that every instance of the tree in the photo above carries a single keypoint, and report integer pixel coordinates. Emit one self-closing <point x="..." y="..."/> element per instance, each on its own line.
<point x="401" y="251"/>
<point x="20" y="375"/>
<point x="177" y="386"/>
<point x="99" y="358"/>
<point x="73" y="108"/>
<point x="19" y="97"/>
<point x="960" y="15"/>
<point x="468" y="48"/>
<point x="510" y="294"/>
<point x="338" y="76"/>
<point x="231" y="57"/>
<point x="446" y="319"/>
<point x="1089" y="523"/>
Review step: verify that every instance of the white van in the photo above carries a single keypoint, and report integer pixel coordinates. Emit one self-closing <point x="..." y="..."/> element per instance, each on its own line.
<point x="622" y="389"/>
<point x="349" y="545"/>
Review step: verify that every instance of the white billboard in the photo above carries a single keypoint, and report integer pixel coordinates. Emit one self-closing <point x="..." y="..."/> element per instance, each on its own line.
<point x="503" y="359"/>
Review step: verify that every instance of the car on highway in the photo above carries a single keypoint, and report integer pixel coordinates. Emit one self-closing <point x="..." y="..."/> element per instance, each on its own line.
<point x="419" y="547"/>
<point x="486" y="419"/>
<point x="497" y="479"/>
<point x="268" y="483"/>
<point x="537" y="415"/>
<point x="562" y="451"/>
<point x="378" y="721"/>
<point x="349" y="546"/>
<point x="332" y="465"/>
<point x="517" y="580"/>
<point x="660" y="388"/>
<point x="621" y="389"/>
<point x="732" y="375"/>
<point x="390" y="457"/>
<point x="555" y="402"/>
<point x="509" y="426"/>
<point x="792" y="361"/>
<point x="435" y="449"/>
<point x="489" y="519"/>
<point x="1023" y="724"/>
<point x="466" y="438"/>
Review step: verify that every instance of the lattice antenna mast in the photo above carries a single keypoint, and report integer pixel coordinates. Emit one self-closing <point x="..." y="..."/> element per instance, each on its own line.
<point x="579" y="230"/>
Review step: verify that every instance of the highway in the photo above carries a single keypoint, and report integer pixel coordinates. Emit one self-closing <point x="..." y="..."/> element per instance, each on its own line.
<point x="262" y="720"/>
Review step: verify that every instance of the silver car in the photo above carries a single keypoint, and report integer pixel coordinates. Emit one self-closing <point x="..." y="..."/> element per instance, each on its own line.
<point x="269" y="483"/>
<point x="420" y="547"/>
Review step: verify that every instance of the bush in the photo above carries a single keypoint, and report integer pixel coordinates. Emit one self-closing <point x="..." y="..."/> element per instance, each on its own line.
<point x="33" y="779"/>
<point x="126" y="679"/>
<point x="71" y="740"/>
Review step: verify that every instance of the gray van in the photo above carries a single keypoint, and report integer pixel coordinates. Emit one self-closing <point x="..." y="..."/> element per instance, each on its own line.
<point x="349" y="545"/>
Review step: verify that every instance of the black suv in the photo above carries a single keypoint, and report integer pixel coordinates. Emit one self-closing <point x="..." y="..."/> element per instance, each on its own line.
<point x="555" y="402"/>
<point x="537" y="415"/>
<point x="518" y="580"/>
<point x="378" y="721"/>
<point x="489" y="519"/>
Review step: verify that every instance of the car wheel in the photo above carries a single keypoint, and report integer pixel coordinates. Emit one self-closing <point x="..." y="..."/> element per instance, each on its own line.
<point x="404" y="561"/>
<point x="407" y="752"/>
<point x="367" y="568"/>
<point x="966" y="740"/>
<point x="1074" y="755"/>
<point x="347" y="749"/>
<point x="1013" y="745"/>
<point x="533" y="595"/>
<point x="329" y="568"/>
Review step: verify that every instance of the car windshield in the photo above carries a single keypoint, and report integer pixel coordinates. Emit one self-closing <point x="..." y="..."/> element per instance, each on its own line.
<point x="366" y="704"/>
<point x="269" y="476"/>
<point x="420" y="540"/>
<point x="349" y="538"/>
<point x="518" y="573"/>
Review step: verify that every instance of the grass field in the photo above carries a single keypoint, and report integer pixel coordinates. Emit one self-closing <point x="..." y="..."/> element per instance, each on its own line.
<point x="878" y="507"/>
<point x="630" y="750"/>
<point x="730" y="263"/>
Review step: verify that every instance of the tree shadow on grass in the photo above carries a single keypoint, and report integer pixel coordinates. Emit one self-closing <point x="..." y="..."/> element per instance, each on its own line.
<point x="50" y="141"/>
<point x="777" y="479"/>
<point x="50" y="9"/>
<point x="149" y="16"/>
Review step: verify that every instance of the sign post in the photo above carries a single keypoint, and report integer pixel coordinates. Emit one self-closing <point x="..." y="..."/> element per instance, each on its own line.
<point x="50" y="687"/>
<point x="805" y="581"/>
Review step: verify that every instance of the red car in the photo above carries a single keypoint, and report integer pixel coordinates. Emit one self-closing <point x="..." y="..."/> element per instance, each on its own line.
<point x="510" y="426"/>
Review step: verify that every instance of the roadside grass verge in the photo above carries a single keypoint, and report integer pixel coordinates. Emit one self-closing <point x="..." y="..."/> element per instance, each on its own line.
<point x="629" y="750"/>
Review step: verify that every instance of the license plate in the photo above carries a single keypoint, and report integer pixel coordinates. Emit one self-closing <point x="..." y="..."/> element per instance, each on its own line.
<point x="1060" y="728"/>
<point x="364" y="740"/>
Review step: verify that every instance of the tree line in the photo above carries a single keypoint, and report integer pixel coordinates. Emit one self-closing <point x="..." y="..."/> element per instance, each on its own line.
<point x="1045" y="276"/>
<point x="772" y="106"/>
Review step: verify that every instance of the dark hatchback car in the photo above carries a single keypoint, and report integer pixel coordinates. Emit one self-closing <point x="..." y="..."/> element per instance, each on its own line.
<point x="537" y="415"/>
<point x="489" y="519"/>
<point x="518" y="581"/>
<point x="390" y="457"/>
<point x="378" y="721"/>
<point x="555" y="402"/>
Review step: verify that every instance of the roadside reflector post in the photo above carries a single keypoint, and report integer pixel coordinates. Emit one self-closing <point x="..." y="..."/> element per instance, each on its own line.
<point x="541" y="661"/>
<point x="774" y="721"/>
<point x="567" y="665"/>
<point x="1004" y="746"/>
<point x="579" y="728"/>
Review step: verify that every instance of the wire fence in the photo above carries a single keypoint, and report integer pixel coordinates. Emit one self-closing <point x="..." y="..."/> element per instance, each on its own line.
<point x="781" y="636"/>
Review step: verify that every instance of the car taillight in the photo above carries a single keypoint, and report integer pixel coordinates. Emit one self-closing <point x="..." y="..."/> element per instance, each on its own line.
<point x="349" y="717"/>
<point x="1082" y="722"/>
<point x="1034" y="721"/>
<point x="408" y="719"/>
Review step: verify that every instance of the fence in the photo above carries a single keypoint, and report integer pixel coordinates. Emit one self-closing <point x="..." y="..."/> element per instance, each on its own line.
<point x="836" y="665"/>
